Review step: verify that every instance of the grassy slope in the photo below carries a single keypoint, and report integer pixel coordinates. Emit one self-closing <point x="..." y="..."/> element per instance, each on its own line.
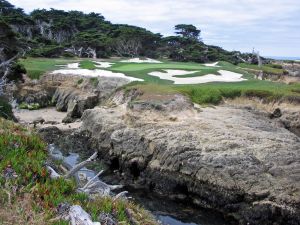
<point x="264" y="68"/>
<point x="37" y="195"/>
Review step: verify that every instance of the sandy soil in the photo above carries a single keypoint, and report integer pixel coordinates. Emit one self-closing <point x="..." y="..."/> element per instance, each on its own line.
<point x="50" y="115"/>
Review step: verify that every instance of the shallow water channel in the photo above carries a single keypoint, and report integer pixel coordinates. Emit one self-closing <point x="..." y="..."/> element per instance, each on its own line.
<point x="166" y="211"/>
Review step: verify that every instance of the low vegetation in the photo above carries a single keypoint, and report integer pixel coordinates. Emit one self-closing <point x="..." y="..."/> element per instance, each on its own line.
<point x="5" y="109"/>
<point x="215" y="93"/>
<point x="29" y="196"/>
<point x="33" y="106"/>
<point x="94" y="81"/>
<point x="267" y="68"/>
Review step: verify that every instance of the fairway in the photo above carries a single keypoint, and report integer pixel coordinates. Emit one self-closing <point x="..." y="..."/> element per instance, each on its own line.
<point x="205" y="93"/>
<point x="36" y="67"/>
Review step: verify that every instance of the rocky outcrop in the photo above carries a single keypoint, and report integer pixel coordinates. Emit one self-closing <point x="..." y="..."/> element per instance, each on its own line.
<point x="65" y="92"/>
<point x="291" y="121"/>
<point x="293" y="68"/>
<point x="235" y="160"/>
<point x="33" y="93"/>
<point x="73" y="101"/>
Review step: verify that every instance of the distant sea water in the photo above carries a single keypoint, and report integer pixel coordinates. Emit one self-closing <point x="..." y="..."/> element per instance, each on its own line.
<point x="283" y="58"/>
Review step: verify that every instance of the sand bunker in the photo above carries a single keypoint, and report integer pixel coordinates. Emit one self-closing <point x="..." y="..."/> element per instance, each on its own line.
<point x="73" y="66"/>
<point x="212" y="64"/>
<point x="94" y="73"/>
<point x="225" y="76"/>
<point x="103" y="64"/>
<point x="138" y="60"/>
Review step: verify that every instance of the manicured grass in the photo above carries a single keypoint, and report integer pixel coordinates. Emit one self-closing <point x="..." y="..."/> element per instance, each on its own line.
<point x="36" y="67"/>
<point x="128" y="67"/>
<point x="142" y="70"/>
<point x="200" y="93"/>
<point x="87" y="64"/>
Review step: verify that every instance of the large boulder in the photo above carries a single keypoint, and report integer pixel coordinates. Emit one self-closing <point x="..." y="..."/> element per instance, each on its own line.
<point x="34" y="93"/>
<point x="73" y="101"/>
<point x="235" y="160"/>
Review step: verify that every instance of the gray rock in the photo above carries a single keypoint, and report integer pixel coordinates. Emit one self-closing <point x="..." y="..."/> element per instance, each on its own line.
<point x="291" y="121"/>
<point x="234" y="160"/>
<point x="73" y="101"/>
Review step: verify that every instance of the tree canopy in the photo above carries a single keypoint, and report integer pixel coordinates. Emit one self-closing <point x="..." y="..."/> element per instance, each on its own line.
<point x="50" y="33"/>
<point x="188" y="31"/>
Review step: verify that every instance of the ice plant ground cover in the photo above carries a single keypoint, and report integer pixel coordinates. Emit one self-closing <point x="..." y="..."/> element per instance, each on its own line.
<point x="22" y="168"/>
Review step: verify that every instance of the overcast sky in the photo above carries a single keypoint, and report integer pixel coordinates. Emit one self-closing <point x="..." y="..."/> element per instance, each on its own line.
<point x="271" y="26"/>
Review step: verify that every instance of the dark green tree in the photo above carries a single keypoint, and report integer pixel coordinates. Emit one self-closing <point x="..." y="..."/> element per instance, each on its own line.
<point x="187" y="31"/>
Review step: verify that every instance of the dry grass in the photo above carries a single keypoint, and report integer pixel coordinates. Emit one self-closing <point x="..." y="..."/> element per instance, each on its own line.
<point x="262" y="105"/>
<point x="21" y="212"/>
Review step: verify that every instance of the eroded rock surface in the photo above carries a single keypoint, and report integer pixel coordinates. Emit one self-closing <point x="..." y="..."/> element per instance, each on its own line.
<point x="68" y="93"/>
<point x="235" y="160"/>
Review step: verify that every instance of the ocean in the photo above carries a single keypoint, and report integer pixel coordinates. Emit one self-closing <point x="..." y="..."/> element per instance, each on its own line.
<point x="283" y="58"/>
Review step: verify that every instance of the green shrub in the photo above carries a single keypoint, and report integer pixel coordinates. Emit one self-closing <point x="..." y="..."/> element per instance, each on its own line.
<point x="276" y="66"/>
<point x="5" y="109"/>
<point x="33" y="106"/>
<point x="80" y="81"/>
<point x="49" y="51"/>
<point x="94" y="81"/>
<point x="17" y="70"/>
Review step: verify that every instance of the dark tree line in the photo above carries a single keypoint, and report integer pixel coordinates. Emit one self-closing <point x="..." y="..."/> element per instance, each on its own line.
<point x="53" y="33"/>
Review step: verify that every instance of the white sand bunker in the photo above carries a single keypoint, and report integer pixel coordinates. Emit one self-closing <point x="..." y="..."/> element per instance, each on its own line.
<point x="94" y="73"/>
<point x="212" y="64"/>
<point x="138" y="60"/>
<point x="225" y="76"/>
<point x="103" y="64"/>
<point x="73" y="66"/>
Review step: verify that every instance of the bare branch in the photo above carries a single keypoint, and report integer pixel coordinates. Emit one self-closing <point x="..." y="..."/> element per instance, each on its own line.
<point x="120" y="195"/>
<point x="93" y="179"/>
<point x="79" y="166"/>
<point x="53" y="174"/>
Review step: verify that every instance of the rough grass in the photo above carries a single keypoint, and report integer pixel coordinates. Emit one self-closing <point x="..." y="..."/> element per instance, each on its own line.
<point x="268" y="68"/>
<point x="36" y="67"/>
<point x="33" y="195"/>
<point x="214" y="93"/>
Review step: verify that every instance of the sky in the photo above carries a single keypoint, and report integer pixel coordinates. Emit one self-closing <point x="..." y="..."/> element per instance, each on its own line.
<point x="272" y="27"/>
